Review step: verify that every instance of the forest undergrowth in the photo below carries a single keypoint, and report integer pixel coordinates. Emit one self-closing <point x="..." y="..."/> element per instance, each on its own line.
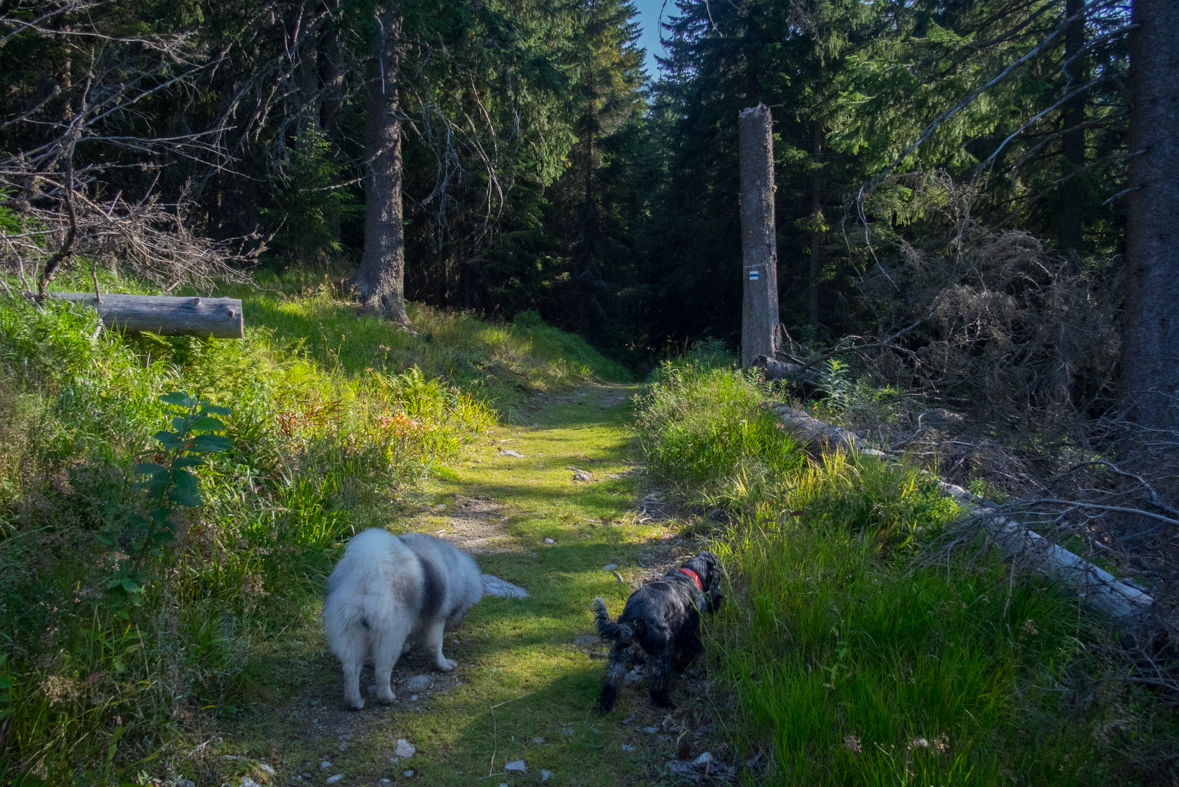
<point x="170" y="506"/>
<point x="857" y="651"/>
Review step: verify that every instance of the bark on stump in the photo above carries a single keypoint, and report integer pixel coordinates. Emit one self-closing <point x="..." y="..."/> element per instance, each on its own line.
<point x="759" y="271"/>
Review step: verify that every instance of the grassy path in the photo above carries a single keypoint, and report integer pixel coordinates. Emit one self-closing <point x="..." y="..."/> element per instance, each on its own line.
<point x="529" y="669"/>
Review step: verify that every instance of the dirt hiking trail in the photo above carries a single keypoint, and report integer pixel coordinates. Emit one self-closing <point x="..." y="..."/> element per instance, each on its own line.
<point x="557" y="509"/>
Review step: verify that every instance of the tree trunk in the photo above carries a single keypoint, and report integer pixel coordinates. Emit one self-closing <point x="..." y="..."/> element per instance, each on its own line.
<point x="331" y="87"/>
<point x="1150" y="329"/>
<point x="381" y="277"/>
<point x="1072" y="236"/>
<point x="816" y="235"/>
<point x="759" y="313"/>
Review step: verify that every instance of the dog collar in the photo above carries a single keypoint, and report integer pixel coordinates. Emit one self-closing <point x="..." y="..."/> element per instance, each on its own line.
<point x="695" y="578"/>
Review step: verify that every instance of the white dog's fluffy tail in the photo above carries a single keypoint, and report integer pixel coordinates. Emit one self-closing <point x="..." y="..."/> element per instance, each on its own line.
<point x="619" y="633"/>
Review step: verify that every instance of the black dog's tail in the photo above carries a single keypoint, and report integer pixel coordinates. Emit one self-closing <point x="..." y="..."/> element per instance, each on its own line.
<point x="618" y="633"/>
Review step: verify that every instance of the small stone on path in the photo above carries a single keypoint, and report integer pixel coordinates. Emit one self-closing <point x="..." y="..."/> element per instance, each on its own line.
<point x="494" y="586"/>
<point x="408" y="774"/>
<point x="323" y="766"/>
<point x="516" y="765"/>
<point x="334" y="779"/>
<point x="609" y="566"/>
<point x="627" y="747"/>
<point x="405" y="748"/>
<point x="515" y="454"/>
<point x="538" y="740"/>
<point x="548" y="541"/>
<point x="419" y="683"/>
<point x="545" y="776"/>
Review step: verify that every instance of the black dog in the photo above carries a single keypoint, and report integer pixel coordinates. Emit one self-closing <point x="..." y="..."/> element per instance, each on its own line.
<point x="664" y="618"/>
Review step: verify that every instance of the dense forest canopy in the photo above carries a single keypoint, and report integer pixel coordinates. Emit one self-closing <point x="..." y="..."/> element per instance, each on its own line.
<point x="954" y="174"/>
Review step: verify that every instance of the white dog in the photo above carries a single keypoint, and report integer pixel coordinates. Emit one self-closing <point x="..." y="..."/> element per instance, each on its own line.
<point x="387" y="589"/>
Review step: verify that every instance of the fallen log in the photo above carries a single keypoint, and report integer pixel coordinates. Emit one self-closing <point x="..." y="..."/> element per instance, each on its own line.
<point x="773" y="369"/>
<point x="1135" y="610"/>
<point x="166" y="315"/>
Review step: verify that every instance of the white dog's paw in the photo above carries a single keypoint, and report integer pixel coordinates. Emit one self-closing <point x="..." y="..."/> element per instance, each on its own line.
<point x="446" y="665"/>
<point x="386" y="697"/>
<point x="355" y="704"/>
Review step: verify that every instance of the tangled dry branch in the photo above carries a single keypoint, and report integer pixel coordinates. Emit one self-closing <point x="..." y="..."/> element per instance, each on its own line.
<point x="82" y="133"/>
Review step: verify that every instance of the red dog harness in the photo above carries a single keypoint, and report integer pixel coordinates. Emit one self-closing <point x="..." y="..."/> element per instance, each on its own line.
<point x="695" y="578"/>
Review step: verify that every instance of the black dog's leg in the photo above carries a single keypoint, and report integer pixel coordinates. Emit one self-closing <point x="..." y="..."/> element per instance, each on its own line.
<point x="687" y="647"/>
<point x="662" y="671"/>
<point x="615" y="672"/>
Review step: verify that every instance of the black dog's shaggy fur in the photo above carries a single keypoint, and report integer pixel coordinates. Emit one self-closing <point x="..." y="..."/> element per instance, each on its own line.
<point x="664" y="619"/>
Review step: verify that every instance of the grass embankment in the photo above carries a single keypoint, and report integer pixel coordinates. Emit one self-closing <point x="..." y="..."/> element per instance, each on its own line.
<point x="853" y="657"/>
<point x="112" y="646"/>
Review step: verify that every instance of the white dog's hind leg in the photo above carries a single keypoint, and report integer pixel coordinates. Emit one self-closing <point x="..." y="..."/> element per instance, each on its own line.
<point x="434" y="644"/>
<point x="352" y="648"/>
<point x="350" y="643"/>
<point x="386" y="650"/>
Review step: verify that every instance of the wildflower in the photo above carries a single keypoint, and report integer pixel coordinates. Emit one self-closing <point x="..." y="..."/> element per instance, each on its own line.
<point x="59" y="689"/>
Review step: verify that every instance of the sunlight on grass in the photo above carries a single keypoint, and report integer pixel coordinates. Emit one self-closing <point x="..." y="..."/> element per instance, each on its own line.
<point x="853" y="657"/>
<point x="336" y="423"/>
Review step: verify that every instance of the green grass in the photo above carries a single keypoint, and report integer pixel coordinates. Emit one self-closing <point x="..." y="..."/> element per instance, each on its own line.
<point x="496" y="363"/>
<point x="854" y="654"/>
<point x="336" y="421"/>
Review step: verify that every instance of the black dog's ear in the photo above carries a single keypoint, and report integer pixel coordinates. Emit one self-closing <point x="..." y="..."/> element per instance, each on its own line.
<point x="713" y="579"/>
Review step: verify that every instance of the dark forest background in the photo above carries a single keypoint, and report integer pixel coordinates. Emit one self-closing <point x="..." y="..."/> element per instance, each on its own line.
<point x="952" y="177"/>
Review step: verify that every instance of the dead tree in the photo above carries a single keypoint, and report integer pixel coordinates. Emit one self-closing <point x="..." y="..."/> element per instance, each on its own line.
<point x="759" y="271"/>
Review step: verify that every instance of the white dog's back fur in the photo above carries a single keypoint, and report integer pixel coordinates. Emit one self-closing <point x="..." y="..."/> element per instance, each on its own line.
<point x="386" y="589"/>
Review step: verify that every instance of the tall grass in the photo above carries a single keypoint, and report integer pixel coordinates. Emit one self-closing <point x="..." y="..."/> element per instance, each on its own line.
<point x="499" y="364"/>
<point x="854" y="657"/>
<point x="333" y="418"/>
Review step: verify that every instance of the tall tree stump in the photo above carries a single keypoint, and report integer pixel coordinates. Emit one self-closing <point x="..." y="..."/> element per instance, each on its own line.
<point x="759" y="271"/>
